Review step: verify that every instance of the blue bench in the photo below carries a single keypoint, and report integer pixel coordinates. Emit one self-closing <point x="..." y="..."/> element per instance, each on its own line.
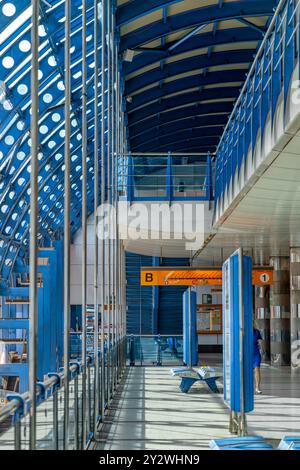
<point x="240" y="443"/>
<point x="289" y="443"/>
<point x="187" y="382"/>
<point x="189" y="376"/>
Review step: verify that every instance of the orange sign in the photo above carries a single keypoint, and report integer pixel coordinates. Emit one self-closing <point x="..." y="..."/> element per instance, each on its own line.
<point x="196" y="276"/>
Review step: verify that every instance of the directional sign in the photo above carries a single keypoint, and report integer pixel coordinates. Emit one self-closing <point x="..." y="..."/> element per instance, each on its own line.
<point x="196" y="276"/>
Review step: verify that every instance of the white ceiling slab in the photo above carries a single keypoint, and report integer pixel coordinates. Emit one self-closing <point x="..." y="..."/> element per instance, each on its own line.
<point x="266" y="222"/>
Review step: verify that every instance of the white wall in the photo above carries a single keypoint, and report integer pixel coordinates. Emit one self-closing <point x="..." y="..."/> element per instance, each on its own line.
<point x="76" y="271"/>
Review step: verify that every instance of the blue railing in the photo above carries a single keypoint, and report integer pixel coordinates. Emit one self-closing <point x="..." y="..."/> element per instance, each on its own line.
<point x="268" y="85"/>
<point x="166" y="178"/>
<point x="50" y="395"/>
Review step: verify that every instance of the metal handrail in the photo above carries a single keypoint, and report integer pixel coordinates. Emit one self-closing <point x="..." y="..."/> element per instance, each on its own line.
<point x="252" y="69"/>
<point x="15" y="404"/>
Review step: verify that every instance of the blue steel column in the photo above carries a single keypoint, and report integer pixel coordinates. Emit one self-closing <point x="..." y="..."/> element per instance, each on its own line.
<point x="33" y="306"/>
<point x="108" y="240"/>
<point x="96" y="240"/>
<point x="67" y="219"/>
<point x="155" y="262"/>
<point x="85" y="414"/>
<point x="103" y="178"/>
<point x="169" y="179"/>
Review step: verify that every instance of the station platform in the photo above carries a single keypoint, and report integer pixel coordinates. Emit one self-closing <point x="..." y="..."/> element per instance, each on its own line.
<point x="150" y="412"/>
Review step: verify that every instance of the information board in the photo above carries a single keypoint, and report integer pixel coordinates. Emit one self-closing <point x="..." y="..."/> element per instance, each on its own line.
<point x="238" y="368"/>
<point x="190" y="337"/>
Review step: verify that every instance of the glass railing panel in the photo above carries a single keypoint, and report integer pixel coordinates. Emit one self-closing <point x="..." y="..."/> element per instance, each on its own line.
<point x="152" y="350"/>
<point x="171" y="350"/>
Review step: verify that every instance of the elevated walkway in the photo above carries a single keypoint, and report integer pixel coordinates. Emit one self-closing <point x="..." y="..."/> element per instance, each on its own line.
<point x="257" y="161"/>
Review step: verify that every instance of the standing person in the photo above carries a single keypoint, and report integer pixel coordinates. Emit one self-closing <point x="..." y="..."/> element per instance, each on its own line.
<point x="256" y="358"/>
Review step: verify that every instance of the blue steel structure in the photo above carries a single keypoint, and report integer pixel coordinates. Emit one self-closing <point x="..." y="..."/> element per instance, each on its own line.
<point x="189" y="63"/>
<point x="14" y="323"/>
<point x="154" y="120"/>
<point x="268" y="87"/>
<point x="190" y="337"/>
<point x="238" y="375"/>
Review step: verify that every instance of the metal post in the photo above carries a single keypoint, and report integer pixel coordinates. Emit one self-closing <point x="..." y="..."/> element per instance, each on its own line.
<point x="243" y="423"/>
<point x="76" y="412"/>
<point x="55" y="420"/>
<point x="96" y="201"/>
<point x="108" y="244"/>
<point x="67" y="201"/>
<point x="113" y="260"/>
<point x="17" y="435"/>
<point x="84" y="220"/>
<point x="190" y="330"/>
<point x="33" y="305"/>
<point x="102" y="266"/>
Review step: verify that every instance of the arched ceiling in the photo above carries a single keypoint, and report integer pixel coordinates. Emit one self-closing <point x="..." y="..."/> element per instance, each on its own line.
<point x="184" y="64"/>
<point x="189" y="61"/>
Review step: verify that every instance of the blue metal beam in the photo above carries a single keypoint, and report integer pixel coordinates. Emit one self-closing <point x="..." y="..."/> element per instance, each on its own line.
<point x="252" y="25"/>
<point x="195" y="109"/>
<point x="186" y="83"/>
<point x="221" y="37"/>
<point x="191" y="132"/>
<point x="165" y="129"/>
<point x="212" y="135"/>
<point x="183" y="99"/>
<point x="135" y="9"/>
<point x="200" y="145"/>
<point x="194" y="18"/>
<point x="188" y="65"/>
<point x="186" y="37"/>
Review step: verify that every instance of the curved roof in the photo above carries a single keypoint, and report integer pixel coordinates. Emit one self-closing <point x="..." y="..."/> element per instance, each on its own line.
<point x="189" y="61"/>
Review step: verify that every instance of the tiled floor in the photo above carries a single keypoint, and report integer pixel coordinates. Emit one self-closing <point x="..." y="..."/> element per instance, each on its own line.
<point x="152" y="413"/>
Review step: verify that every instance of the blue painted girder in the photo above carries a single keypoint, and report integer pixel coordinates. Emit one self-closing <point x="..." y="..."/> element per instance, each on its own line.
<point x="183" y="99"/>
<point x="188" y="132"/>
<point x="185" y="83"/>
<point x="165" y="129"/>
<point x="225" y="36"/>
<point x="195" y="109"/>
<point x="196" y="17"/>
<point x="187" y="145"/>
<point x="137" y="8"/>
<point x="188" y="65"/>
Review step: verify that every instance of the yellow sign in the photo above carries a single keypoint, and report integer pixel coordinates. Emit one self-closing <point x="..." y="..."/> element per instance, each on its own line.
<point x="196" y="276"/>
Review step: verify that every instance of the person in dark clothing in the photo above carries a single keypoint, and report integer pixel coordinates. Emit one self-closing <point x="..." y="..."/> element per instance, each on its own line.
<point x="256" y="358"/>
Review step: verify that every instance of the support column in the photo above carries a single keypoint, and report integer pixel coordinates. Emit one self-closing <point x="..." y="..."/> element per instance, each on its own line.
<point x="295" y="307"/>
<point x="262" y="317"/>
<point x="280" y="311"/>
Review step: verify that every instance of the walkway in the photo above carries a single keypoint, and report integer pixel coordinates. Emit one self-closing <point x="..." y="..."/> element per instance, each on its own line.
<point x="151" y="413"/>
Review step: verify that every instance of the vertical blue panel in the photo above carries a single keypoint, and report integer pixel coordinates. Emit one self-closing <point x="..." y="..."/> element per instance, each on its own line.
<point x="190" y="338"/>
<point x="231" y="335"/>
<point x="155" y="262"/>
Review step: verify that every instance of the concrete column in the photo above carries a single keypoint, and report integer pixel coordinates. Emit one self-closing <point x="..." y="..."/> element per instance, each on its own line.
<point x="262" y="317"/>
<point x="280" y="311"/>
<point x="295" y="307"/>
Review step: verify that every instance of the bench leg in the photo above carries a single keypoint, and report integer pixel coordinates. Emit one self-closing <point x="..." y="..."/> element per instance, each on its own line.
<point x="212" y="385"/>
<point x="186" y="383"/>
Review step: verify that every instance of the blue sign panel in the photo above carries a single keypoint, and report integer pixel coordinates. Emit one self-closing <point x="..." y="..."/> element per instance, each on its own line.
<point x="237" y="364"/>
<point x="190" y="338"/>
